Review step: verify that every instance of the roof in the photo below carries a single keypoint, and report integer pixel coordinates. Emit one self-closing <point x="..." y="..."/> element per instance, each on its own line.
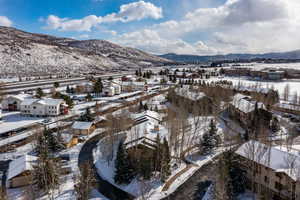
<point x="147" y="115"/>
<point x="185" y="92"/>
<point x="20" y="165"/>
<point x="48" y="101"/>
<point x="245" y="103"/>
<point x="28" y="101"/>
<point x="20" y="97"/>
<point x="288" y="106"/>
<point x="272" y="157"/>
<point x="82" y="125"/>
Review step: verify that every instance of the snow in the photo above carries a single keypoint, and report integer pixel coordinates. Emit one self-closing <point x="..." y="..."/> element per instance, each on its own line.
<point x="15" y="138"/>
<point x="18" y="166"/>
<point x="185" y="92"/>
<point x="18" y="152"/>
<point x="82" y="125"/>
<point x="245" y="104"/>
<point x="13" y="120"/>
<point x="271" y="157"/>
<point x="248" y="83"/>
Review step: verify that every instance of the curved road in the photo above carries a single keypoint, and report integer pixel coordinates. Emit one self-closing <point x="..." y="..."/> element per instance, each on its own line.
<point x="103" y="186"/>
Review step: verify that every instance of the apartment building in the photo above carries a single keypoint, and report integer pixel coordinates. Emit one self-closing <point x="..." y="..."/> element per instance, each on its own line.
<point x="43" y="107"/>
<point x="271" y="172"/>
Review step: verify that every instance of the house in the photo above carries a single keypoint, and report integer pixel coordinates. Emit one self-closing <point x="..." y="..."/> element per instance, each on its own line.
<point x="117" y="88"/>
<point x="270" y="171"/>
<point x="109" y="91"/>
<point x="287" y="107"/>
<point x="83" y="128"/>
<point x="242" y="108"/>
<point x="19" y="171"/>
<point x="147" y="115"/>
<point x="13" y="102"/>
<point x="133" y="86"/>
<point x="69" y="140"/>
<point x="158" y="104"/>
<point x="142" y="138"/>
<point x="195" y="101"/>
<point x="43" y="107"/>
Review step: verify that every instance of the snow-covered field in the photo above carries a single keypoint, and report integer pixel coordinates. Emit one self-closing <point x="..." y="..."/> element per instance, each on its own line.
<point x="278" y="85"/>
<point x="260" y="66"/>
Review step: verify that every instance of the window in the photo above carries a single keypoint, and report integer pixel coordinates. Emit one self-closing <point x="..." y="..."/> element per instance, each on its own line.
<point x="278" y="176"/>
<point x="34" y="107"/>
<point x="266" y="179"/>
<point x="278" y="186"/>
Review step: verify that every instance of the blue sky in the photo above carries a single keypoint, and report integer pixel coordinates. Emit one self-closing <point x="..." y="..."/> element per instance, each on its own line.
<point x="161" y="26"/>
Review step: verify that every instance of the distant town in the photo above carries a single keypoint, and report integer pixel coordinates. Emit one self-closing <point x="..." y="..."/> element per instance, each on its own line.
<point x="171" y="132"/>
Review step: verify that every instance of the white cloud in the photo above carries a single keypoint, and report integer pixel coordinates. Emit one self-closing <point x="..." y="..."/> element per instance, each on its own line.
<point x="4" y="21"/>
<point x="128" y="12"/>
<point x="236" y="26"/>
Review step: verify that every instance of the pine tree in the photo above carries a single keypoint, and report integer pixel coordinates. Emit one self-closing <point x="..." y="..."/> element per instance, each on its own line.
<point x="39" y="93"/>
<point x="124" y="170"/>
<point x="68" y="89"/>
<point x="145" y="106"/>
<point x="98" y="86"/>
<point x="165" y="163"/>
<point x="88" y="97"/>
<point x="87" y="116"/>
<point x="53" y="142"/>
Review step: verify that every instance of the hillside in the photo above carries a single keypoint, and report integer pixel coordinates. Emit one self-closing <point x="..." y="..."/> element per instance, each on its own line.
<point x="195" y="58"/>
<point x="22" y="53"/>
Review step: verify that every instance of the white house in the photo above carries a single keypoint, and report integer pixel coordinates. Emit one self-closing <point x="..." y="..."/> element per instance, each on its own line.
<point x="109" y="91"/>
<point x="13" y="102"/>
<point x="117" y="88"/>
<point x="43" y="107"/>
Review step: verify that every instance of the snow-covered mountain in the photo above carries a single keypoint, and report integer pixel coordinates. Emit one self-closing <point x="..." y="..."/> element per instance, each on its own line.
<point x="22" y="52"/>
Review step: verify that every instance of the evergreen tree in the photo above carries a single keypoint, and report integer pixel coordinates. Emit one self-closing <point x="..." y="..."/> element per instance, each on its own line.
<point x="98" y="86"/>
<point x="39" y="93"/>
<point x="89" y="97"/>
<point x="124" y="170"/>
<point x="210" y="139"/>
<point x="68" y="90"/>
<point x="165" y="163"/>
<point x="145" y="106"/>
<point x="53" y="141"/>
<point x="56" y="84"/>
<point x="87" y="116"/>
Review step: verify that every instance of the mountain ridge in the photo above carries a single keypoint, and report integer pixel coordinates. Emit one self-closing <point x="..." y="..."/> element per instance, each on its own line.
<point x="232" y="56"/>
<point x="22" y="52"/>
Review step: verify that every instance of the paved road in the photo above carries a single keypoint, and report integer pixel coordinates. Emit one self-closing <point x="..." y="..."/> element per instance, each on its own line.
<point x="103" y="186"/>
<point x="196" y="186"/>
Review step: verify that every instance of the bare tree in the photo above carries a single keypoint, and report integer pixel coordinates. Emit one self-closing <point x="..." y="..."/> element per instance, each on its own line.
<point x="84" y="182"/>
<point x="286" y="92"/>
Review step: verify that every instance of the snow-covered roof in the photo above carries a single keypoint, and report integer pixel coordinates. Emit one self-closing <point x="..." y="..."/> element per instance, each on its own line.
<point x="20" y="165"/>
<point x="20" y="97"/>
<point x="148" y="115"/>
<point x="245" y="103"/>
<point x="27" y="102"/>
<point x="46" y="101"/>
<point x="52" y="102"/>
<point x="185" y="92"/>
<point x="272" y="157"/>
<point x="288" y="106"/>
<point x="82" y="125"/>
